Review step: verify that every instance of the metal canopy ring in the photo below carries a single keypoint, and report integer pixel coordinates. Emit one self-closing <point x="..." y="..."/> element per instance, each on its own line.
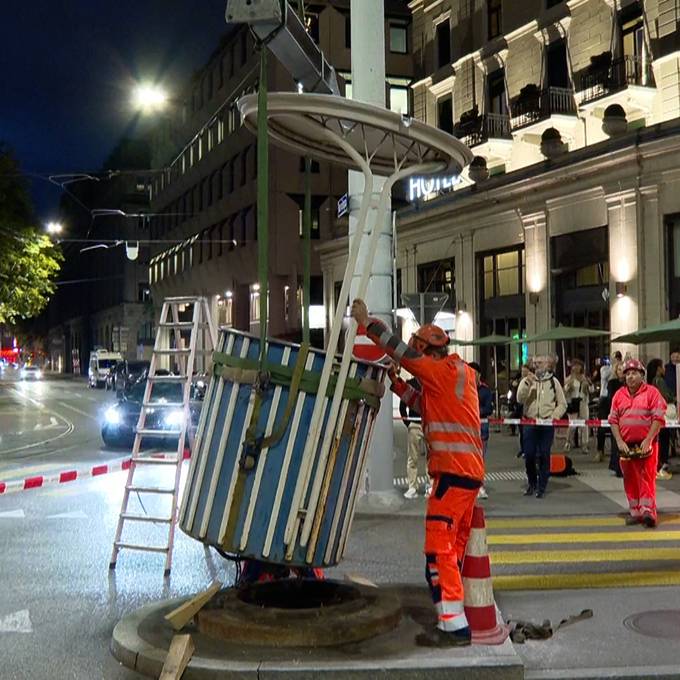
<point x="389" y="142"/>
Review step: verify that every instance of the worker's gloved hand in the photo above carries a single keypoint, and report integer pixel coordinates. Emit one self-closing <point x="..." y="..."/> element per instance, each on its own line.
<point x="360" y="312"/>
<point x="393" y="369"/>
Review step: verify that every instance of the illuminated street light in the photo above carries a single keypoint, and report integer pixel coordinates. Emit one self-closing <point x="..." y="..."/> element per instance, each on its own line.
<point x="54" y="227"/>
<point x="149" y="98"/>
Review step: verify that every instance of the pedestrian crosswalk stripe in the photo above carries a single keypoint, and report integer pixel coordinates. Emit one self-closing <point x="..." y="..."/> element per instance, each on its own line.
<point x="634" y="536"/>
<point x="506" y="557"/>
<point x="545" y="522"/>
<point x="629" y="579"/>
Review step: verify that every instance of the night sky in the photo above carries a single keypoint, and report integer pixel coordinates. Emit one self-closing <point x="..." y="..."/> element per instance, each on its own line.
<point x="66" y="70"/>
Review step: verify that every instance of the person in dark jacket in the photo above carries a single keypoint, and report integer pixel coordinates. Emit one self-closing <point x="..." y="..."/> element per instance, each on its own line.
<point x="615" y="384"/>
<point x="485" y="410"/>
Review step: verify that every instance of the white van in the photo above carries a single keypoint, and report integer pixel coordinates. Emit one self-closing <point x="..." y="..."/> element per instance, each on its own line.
<point x="101" y="364"/>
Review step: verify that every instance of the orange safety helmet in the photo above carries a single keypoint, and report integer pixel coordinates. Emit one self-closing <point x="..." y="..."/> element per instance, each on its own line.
<point x="633" y="365"/>
<point x="432" y="335"/>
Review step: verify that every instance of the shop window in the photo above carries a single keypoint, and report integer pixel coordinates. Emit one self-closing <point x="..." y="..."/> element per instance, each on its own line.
<point x="437" y="277"/>
<point x="503" y="274"/>
<point x="316" y="217"/>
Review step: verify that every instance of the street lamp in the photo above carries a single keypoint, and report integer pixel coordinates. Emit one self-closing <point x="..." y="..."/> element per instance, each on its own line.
<point x="149" y="98"/>
<point x="54" y="227"/>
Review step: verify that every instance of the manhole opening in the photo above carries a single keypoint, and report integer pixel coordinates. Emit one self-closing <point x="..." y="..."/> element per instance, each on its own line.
<point x="298" y="594"/>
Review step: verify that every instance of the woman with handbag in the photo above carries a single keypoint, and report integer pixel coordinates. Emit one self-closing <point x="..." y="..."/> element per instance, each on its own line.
<point x="655" y="376"/>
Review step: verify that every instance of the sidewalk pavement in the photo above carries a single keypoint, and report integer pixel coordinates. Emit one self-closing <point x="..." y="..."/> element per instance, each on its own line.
<point x="386" y="546"/>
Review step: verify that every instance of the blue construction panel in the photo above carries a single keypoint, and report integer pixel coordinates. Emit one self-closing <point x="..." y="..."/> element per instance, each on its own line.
<point x="241" y="513"/>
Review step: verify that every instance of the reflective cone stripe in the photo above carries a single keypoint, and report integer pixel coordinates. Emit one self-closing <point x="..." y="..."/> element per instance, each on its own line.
<point x="480" y="606"/>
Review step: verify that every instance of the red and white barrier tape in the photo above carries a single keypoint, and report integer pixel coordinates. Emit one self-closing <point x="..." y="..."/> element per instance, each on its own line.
<point x="39" y="481"/>
<point x="591" y="422"/>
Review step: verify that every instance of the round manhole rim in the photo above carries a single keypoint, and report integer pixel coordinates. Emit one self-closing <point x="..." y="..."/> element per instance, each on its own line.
<point x="651" y="623"/>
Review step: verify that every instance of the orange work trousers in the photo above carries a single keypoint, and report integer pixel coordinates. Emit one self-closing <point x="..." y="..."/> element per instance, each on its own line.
<point x="639" y="483"/>
<point x="447" y="529"/>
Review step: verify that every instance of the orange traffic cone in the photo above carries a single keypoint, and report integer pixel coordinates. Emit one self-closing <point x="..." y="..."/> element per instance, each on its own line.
<point x="482" y="614"/>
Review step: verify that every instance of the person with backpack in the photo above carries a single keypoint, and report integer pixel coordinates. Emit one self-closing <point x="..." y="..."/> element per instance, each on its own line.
<point x="542" y="397"/>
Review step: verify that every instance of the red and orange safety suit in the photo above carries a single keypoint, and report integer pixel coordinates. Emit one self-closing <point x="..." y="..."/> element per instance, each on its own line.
<point x="634" y="415"/>
<point x="449" y="407"/>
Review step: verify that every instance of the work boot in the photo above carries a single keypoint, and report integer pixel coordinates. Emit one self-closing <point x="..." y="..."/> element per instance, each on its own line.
<point x="631" y="521"/>
<point x="540" y="494"/>
<point x="442" y="638"/>
<point x="529" y="491"/>
<point x="410" y="493"/>
<point x="649" y="521"/>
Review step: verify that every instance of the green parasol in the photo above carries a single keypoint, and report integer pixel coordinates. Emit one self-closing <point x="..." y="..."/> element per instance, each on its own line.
<point x="561" y="334"/>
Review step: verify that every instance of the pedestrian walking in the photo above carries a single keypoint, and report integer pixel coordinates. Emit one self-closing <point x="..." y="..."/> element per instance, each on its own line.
<point x="637" y="415"/>
<point x="542" y="397"/>
<point x="486" y="407"/>
<point x="415" y="439"/>
<point x="577" y="394"/>
<point x="655" y="376"/>
<point x="613" y="386"/>
<point x="449" y="407"/>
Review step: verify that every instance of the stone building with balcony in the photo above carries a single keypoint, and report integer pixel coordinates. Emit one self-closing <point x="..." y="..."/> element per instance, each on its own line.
<point x="571" y="211"/>
<point x="204" y="200"/>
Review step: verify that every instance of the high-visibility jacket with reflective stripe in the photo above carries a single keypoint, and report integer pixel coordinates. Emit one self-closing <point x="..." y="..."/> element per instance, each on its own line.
<point x="448" y="403"/>
<point x="635" y="413"/>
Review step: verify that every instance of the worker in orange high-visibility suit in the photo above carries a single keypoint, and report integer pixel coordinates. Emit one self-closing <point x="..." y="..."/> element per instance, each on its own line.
<point x="449" y="407"/>
<point x="637" y="414"/>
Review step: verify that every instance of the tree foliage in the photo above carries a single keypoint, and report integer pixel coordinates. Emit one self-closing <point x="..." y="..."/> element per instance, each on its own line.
<point x="29" y="260"/>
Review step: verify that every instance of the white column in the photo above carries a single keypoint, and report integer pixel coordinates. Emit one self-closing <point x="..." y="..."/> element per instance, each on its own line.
<point x="464" y="263"/>
<point x="623" y="267"/>
<point x="368" y="85"/>
<point x="537" y="282"/>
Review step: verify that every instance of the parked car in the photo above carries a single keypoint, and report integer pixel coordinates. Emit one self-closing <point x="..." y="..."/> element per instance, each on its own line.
<point x="120" y="420"/>
<point x="125" y="374"/>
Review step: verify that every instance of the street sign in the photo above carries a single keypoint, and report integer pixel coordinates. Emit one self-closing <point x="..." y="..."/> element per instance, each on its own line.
<point x="425" y="306"/>
<point x="365" y="349"/>
<point x="343" y="205"/>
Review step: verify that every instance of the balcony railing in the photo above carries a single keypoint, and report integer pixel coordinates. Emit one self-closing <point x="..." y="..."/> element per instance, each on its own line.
<point x="483" y="128"/>
<point x="616" y="76"/>
<point x="533" y="108"/>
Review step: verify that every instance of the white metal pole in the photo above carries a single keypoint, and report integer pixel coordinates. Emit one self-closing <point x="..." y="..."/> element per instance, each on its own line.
<point x="368" y="85"/>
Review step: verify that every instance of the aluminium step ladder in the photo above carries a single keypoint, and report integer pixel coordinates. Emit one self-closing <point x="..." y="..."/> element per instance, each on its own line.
<point x="171" y="346"/>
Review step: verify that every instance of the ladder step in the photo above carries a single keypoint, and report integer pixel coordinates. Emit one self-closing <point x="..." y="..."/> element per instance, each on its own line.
<point x="132" y="517"/>
<point x="162" y="404"/>
<point x="158" y="433"/>
<point x="182" y="324"/>
<point x="167" y="378"/>
<point x="182" y="298"/>
<point x="147" y="460"/>
<point x="145" y="548"/>
<point x="173" y="350"/>
<point x="149" y="489"/>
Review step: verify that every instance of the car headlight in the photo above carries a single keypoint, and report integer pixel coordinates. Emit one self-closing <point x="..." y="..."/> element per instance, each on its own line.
<point x="112" y="416"/>
<point x="174" y="418"/>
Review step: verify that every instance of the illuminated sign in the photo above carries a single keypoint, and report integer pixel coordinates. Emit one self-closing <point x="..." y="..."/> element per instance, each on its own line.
<point x="425" y="188"/>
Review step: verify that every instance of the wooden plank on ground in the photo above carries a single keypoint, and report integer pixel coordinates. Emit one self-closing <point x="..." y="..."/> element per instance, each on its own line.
<point x="178" y="618"/>
<point x="179" y="655"/>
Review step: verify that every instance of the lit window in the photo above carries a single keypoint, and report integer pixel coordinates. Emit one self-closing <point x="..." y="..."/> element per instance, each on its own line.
<point x="399" y="99"/>
<point x="254" y="306"/>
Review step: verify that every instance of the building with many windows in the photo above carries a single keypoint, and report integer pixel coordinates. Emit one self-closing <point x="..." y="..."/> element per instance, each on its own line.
<point x="571" y="211"/>
<point x="204" y="200"/>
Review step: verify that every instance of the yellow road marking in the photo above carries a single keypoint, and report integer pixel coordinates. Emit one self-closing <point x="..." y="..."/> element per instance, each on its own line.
<point x="632" y="536"/>
<point x="567" y="556"/>
<point x="630" y="579"/>
<point x="545" y="522"/>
